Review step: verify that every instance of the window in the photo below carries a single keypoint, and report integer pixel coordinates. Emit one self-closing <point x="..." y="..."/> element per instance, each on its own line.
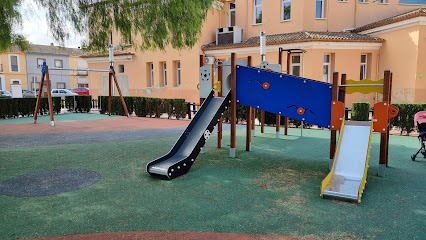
<point x="178" y="79"/>
<point x="150" y="68"/>
<point x="383" y="1"/>
<point x="85" y="85"/>
<point x="363" y="69"/>
<point x="326" y="68"/>
<point x="257" y="11"/>
<point x="319" y="11"/>
<point x="295" y="65"/>
<point x="286" y="10"/>
<point x="55" y="91"/>
<point x="58" y="63"/>
<point x="35" y="86"/>
<point x="60" y="85"/>
<point x="121" y="68"/>
<point x="362" y="1"/>
<point x="40" y="62"/>
<point x="14" y="63"/>
<point x="164" y="74"/>
<point x="232" y="14"/>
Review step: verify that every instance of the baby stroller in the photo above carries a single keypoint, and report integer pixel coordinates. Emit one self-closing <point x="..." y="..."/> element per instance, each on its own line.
<point x="420" y="123"/>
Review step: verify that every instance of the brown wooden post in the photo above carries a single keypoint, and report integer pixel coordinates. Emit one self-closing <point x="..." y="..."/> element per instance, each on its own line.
<point x="188" y="109"/>
<point x="40" y="91"/>
<point x="334" y="97"/>
<point x="383" y="136"/>
<point x="49" y="97"/>
<point x="249" y="117"/>
<point x="343" y="89"/>
<point x="109" y="92"/>
<point x="262" y="121"/>
<point x="253" y="121"/>
<point x="233" y="104"/>
<point x="388" y="130"/>
<point x="278" y="117"/>
<point x="288" y="72"/>
<point x="202" y="63"/>
<point x="121" y="95"/>
<point x="219" y="124"/>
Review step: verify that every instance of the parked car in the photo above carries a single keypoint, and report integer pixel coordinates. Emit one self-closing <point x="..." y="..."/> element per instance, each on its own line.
<point x="62" y="93"/>
<point x="81" y="91"/>
<point x="5" y="93"/>
<point x="28" y="94"/>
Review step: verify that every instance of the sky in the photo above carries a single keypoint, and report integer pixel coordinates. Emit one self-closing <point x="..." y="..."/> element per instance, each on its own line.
<point x="36" y="29"/>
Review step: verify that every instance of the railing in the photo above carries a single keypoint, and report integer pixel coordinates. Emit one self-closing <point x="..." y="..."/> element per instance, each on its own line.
<point x="192" y="109"/>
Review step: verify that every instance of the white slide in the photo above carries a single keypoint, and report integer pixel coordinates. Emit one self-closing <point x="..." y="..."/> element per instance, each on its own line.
<point x="347" y="178"/>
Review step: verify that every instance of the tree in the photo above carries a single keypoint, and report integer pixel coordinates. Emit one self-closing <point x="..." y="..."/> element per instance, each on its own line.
<point x="145" y="24"/>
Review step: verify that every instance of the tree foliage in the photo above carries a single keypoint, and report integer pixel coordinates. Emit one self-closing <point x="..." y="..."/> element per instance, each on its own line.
<point x="145" y="24"/>
<point x="10" y="18"/>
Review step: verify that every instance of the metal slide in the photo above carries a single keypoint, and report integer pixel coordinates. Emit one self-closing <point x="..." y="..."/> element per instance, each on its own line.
<point x="183" y="154"/>
<point x="347" y="178"/>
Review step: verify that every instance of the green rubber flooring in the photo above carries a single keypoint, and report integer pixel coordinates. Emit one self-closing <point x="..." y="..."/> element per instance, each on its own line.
<point x="64" y="117"/>
<point x="275" y="189"/>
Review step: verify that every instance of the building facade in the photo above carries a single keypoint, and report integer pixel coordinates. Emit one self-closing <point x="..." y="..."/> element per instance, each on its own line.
<point x="13" y="70"/>
<point x="361" y="38"/>
<point x="55" y="57"/>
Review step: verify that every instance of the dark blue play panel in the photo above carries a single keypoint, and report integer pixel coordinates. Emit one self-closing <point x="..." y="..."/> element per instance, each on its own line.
<point x="48" y="182"/>
<point x="294" y="97"/>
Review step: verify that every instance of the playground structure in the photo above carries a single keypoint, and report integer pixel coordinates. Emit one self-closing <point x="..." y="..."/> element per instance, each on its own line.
<point x="299" y="98"/>
<point x="46" y="77"/>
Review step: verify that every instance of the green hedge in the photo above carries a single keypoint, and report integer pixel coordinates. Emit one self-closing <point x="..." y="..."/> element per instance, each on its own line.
<point x="360" y="111"/>
<point x="23" y="107"/>
<point x="144" y="106"/>
<point x="81" y="103"/>
<point x="405" y="119"/>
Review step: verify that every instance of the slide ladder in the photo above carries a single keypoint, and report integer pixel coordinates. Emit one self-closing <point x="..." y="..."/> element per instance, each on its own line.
<point x="347" y="178"/>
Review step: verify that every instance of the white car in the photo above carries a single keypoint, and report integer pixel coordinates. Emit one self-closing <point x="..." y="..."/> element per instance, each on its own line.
<point x="62" y="93"/>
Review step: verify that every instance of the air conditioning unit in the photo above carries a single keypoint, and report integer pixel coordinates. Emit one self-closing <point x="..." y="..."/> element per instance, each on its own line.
<point x="228" y="35"/>
<point x="210" y="60"/>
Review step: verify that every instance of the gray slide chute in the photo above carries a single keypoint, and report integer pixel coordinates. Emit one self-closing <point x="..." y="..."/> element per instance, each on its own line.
<point x="183" y="154"/>
<point x="347" y="178"/>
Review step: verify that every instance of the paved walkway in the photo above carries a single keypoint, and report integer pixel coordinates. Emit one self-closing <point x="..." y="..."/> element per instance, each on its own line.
<point x="111" y="124"/>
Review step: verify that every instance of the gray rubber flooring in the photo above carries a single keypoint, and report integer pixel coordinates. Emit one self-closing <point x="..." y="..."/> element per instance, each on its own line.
<point x="46" y="139"/>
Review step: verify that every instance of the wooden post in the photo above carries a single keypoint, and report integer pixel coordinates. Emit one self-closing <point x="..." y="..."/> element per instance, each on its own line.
<point x="288" y="72"/>
<point x="188" y="106"/>
<point x="49" y="97"/>
<point x="387" y="133"/>
<point x="233" y="103"/>
<point x="121" y="95"/>
<point x="109" y="92"/>
<point x="253" y="121"/>
<point x="343" y="89"/>
<point x="384" y="136"/>
<point x="249" y="117"/>
<point x="334" y="97"/>
<point x="278" y="117"/>
<point x="40" y="91"/>
<point x="262" y="121"/>
<point x="219" y="124"/>
<point x="202" y="63"/>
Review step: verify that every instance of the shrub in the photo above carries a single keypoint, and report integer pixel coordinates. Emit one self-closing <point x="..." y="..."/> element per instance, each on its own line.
<point x="360" y="111"/>
<point x="16" y="107"/>
<point x="81" y="103"/>
<point x="405" y="119"/>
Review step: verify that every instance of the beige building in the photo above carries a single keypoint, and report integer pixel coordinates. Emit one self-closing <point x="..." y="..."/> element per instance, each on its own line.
<point x="13" y="70"/>
<point x="361" y="38"/>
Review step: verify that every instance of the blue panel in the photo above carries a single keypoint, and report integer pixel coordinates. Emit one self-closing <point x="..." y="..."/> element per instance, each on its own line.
<point x="285" y="95"/>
